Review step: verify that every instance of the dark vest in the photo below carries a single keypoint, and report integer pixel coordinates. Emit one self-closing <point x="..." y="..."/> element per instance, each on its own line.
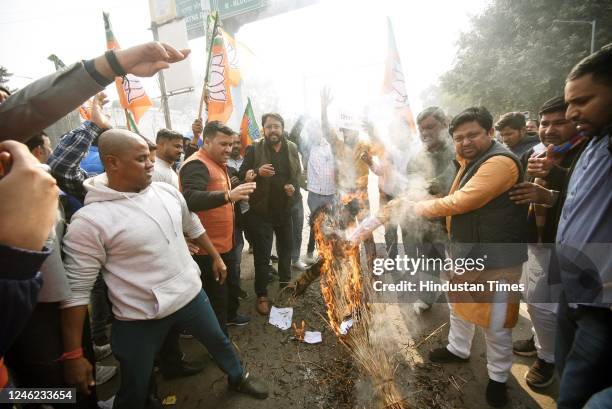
<point x="497" y="231"/>
<point x="258" y="202"/>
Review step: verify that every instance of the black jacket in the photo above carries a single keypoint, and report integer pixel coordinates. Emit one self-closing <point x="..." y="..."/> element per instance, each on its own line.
<point x="497" y="231"/>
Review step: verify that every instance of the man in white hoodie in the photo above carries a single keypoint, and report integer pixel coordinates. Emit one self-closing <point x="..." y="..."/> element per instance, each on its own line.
<point x="153" y="283"/>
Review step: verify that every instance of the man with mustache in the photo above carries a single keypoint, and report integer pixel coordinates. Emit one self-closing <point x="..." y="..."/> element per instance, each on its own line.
<point x="583" y="351"/>
<point x="207" y="189"/>
<point x="555" y="130"/>
<point x="277" y="168"/>
<point x="126" y="230"/>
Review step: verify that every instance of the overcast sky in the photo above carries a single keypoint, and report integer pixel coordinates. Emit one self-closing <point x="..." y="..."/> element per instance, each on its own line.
<point x="335" y="42"/>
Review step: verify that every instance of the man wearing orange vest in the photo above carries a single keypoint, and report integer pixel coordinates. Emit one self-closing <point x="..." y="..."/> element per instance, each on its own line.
<point x="206" y="187"/>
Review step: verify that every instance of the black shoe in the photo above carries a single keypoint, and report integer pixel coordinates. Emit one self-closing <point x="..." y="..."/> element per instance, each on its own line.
<point x="497" y="395"/>
<point x="243" y="295"/>
<point x="251" y="386"/>
<point x="239" y="320"/>
<point x="541" y="374"/>
<point x="524" y="347"/>
<point x="153" y="402"/>
<point x="444" y="356"/>
<point x="183" y="369"/>
<point x="185" y="334"/>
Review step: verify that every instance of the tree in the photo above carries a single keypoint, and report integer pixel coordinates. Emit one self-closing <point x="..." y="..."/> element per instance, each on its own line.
<point x="515" y="56"/>
<point x="4" y="75"/>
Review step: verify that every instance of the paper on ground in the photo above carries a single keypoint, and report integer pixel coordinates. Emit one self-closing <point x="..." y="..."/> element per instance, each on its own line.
<point x="281" y="317"/>
<point x="345" y="325"/>
<point x="313" y="337"/>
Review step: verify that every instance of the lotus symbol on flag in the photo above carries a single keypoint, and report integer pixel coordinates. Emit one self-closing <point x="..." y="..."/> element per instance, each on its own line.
<point x="216" y="84"/>
<point x="132" y="87"/>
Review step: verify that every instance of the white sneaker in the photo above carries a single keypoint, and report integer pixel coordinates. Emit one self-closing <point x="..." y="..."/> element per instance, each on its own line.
<point x="105" y="373"/>
<point x="299" y="265"/>
<point x="102" y="351"/>
<point x="420" y="306"/>
<point x="310" y="259"/>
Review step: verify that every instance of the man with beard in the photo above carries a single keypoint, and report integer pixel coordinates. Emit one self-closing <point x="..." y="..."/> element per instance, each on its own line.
<point x="436" y="165"/>
<point x="479" y="217"/>
<point x="126" y="230"/>
<point x="169" y="150"/>
<point x="549" y="190"/>
<point x="583" y="351"/>
<point x="276" y="164"/>
<point x="511" y="127"/>
<point x="207" y="189"/>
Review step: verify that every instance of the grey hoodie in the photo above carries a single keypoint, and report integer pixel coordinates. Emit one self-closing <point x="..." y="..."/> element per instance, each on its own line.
<point x="137" y="241"/>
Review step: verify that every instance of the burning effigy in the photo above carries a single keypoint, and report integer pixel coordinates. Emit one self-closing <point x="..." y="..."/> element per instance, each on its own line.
<point x="346" y="293"/>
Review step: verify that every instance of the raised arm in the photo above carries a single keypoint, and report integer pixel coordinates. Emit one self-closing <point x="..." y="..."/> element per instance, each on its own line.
<point x="48" y="99"/>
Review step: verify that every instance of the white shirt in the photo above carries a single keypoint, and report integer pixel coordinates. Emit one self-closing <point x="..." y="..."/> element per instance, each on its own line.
<point x="321" y="175"/>
<point x="137" y="241"/>
<point x="163" y="172"/>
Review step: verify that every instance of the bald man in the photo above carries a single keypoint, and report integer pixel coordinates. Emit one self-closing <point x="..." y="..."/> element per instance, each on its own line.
<point x="132" y="230"/>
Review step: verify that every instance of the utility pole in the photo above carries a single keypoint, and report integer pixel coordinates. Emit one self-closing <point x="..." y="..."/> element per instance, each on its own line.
<point x="593" y="24"/>
<point x="162" y="83"/>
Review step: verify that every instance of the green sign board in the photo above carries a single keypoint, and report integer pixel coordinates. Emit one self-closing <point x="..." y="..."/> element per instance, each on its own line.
<point x="231" y="8"/>
<point x="191" y="11"/>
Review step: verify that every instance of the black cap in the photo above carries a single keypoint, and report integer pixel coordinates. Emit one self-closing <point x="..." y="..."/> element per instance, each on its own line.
<point x="555" y="104"/>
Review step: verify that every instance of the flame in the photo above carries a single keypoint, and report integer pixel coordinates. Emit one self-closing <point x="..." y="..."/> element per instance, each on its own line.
<point x="346" y="297"/>
<point x="341" y="281"/>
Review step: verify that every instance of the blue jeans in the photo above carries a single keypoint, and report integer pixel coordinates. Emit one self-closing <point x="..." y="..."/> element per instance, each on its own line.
<point x="601" y="400"/>
<point x="583" y="353"/>
<point x="297" y="219"/>
<point x="135" y="344"/>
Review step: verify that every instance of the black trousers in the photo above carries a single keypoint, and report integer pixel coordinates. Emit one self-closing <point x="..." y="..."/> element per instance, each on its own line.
<point x="33" y="356"/>
<point x="261" y="232"/>
<point x="223" y="297"/>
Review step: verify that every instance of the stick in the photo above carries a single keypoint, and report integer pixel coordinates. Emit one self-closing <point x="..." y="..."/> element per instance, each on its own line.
<point x="127" y="120"/>
<point x="212" y="39"/>
<point x="435" y="331"/>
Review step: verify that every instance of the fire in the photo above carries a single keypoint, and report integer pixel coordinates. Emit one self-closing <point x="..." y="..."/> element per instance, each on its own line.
<point x="346" y="299"/>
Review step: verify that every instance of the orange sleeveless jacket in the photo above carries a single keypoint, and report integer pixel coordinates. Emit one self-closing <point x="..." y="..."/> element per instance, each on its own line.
<point x="218" y="222"/>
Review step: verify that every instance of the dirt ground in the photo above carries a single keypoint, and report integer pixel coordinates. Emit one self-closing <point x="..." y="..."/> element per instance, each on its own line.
<point x="324" y="375"/>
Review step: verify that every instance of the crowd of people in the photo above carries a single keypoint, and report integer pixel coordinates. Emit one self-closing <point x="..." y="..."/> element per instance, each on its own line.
<point x="109" y="227"/>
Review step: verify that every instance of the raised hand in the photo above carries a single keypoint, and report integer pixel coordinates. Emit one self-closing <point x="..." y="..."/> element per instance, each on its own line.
<point x="145" y="60"/>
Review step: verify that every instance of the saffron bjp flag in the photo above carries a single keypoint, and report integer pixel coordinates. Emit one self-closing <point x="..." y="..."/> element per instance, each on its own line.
<point x="132" y="95"/>
<point x="232" y="57"/>
<point x="220" y="105"/>
<point x="249" y="131"/>
<point x="394" y="83"/>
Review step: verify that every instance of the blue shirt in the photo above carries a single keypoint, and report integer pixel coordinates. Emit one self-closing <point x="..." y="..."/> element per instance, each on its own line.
<point x="92" y="163"/>
<point x="584" y="235"/>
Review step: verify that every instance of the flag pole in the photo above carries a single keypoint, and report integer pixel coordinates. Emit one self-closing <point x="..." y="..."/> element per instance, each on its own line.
<point x="212" y="39"/>
<point x="127" y="120"/>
